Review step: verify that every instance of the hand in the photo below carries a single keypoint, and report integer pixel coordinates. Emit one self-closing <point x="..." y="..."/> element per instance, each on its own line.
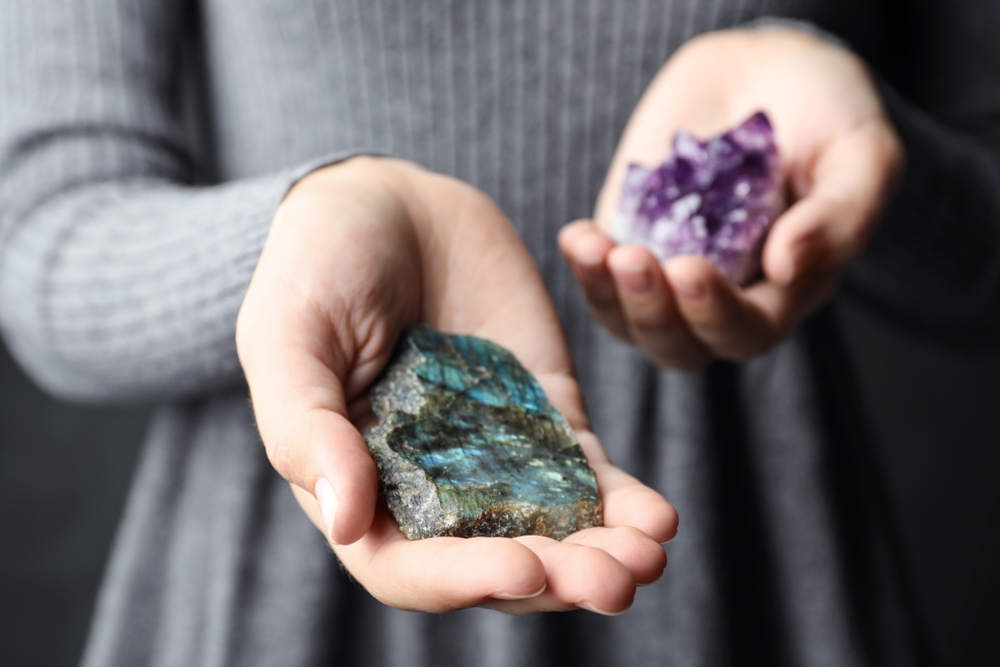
<point x="356" y="253"/>
<point x="841" y="160"/>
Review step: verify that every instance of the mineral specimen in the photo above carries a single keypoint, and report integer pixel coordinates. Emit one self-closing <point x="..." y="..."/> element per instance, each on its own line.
<point x="715" y="199"/>
<point x="468" y="444"/>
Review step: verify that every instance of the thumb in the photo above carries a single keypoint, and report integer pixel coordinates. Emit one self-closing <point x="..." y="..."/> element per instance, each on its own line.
<point x="322" y="452"/>
<point x="298" y="401"/>
<point x="851" y="183"/>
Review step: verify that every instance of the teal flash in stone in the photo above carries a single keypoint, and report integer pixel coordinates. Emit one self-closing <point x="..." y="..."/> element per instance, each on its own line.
<point x="468" y="445"/>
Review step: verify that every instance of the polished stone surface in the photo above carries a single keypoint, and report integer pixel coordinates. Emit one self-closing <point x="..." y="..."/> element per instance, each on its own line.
<point x="468" y="444"/>
<point x="715" y="199"/>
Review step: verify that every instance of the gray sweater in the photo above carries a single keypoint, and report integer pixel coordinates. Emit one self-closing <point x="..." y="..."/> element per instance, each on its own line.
<point x="144" y="147"/>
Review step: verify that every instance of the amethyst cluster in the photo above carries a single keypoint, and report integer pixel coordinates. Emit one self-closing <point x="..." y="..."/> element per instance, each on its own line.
<point x="715" y="199"/>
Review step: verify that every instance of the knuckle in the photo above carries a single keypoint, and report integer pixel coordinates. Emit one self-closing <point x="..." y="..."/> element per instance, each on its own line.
<point x="278" y="456"/>
<point x="279" y="451"/>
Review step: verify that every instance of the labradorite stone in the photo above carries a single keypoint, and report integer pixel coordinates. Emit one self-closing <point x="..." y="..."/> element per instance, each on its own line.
<point x="468" y="444"/>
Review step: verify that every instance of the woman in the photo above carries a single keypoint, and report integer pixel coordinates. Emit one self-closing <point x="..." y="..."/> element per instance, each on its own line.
<point x="126" y="267"/>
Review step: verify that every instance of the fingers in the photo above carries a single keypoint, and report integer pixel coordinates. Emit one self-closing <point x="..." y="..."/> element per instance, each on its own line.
<point x="685" y="313"/>
<point x="596" y="569"/>
<point x="682" y="315"/>
<point x="628" y="293"/>
<point x="441" y="574"/>
<point x="578" y="575"/>
<point x="626" y="500"/>
<point x="642" y="557"/>
<point x="650" y="309"/>
<point x="629" y="502"/>
<point x="586" y="249"/>
<point x="718" y="312"/>
<point x="850" y="185"/>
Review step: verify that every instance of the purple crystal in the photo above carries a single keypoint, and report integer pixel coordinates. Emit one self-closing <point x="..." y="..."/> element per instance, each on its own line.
<point x="715" y="199"/>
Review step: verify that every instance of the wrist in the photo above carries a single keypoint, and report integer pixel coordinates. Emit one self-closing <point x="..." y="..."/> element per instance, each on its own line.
<point x="361" y="183"/>
<point x="365" y="170"/>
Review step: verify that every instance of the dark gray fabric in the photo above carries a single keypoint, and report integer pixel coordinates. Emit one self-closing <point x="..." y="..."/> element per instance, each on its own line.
<point x="122" y="269"/>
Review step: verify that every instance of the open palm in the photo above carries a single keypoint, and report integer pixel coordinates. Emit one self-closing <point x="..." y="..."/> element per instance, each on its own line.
<point x="358" y="252"/>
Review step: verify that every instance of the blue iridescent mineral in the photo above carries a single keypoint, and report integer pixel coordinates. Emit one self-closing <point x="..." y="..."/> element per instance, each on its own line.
<point x="468" y="445"/>
<point x="715" y="199"/>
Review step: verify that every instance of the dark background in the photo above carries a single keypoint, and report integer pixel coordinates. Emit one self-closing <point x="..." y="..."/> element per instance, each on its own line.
<point x="64" y="472"/>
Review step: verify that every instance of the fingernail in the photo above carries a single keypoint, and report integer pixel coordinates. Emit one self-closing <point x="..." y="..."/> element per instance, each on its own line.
<point x="512" y="596"/>
<point x="692" y="290"/>
<point x="329" y="503"/>
<point x="590" y="607"/>
<point x="636" y="280"/>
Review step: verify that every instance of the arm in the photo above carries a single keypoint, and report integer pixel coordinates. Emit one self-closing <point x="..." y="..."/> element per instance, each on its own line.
<point x="119" y="278"/>
<point x="934" y="263"/>
<point x="357" y="252"/>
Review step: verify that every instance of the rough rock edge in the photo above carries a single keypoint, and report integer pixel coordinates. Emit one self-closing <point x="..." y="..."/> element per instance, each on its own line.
<point x="408" y="491"/>
<point x="411" y="494"/>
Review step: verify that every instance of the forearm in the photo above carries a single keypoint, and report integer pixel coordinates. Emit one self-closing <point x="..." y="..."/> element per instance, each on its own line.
<point x="119" y="278"/>
<point x="934" y="263"/>
<point x="129" y="289"/>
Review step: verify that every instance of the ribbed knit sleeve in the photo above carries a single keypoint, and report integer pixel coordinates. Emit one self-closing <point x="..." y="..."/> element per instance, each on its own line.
<point x="119" y="278"/>
<point x="934" y="263"/>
